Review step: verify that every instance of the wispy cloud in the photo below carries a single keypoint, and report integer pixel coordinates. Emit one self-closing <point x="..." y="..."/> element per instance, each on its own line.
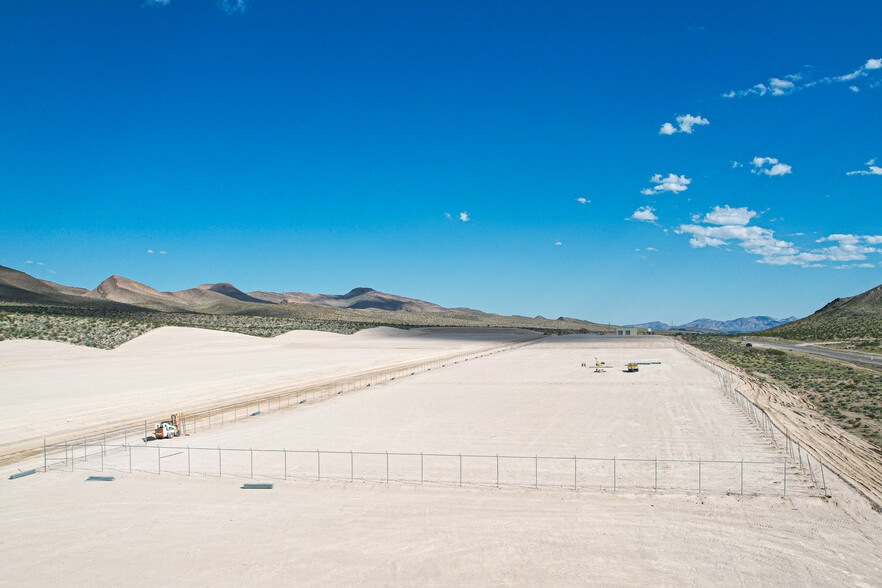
<point x="234" y="6"/>
<point x="873" y="170"/>
<point x="684" y="125"/>
<point x="583" y="200"/>
<point x="770" y="166"/>
<point x="150" y="251"/>
<point x="228" y="6"/>
<point x="645" y="214"/>
<point x="762" y="242"/>
<point x="558" y="243"/>
<point x="464" y="217"/>
<point x="855" y="265"/>
<point x="796" y="82"/>
<point x="671" y="183"/>
<point x="736" y="165"/>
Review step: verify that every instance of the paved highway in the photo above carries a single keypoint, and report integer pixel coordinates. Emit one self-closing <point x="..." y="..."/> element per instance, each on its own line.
<point x="875" y="360"/>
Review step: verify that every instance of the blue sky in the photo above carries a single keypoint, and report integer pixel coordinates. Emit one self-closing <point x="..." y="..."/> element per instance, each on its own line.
<point x="320" y="146"/>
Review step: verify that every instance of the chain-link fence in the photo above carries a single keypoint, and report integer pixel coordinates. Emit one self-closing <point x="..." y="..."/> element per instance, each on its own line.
<point x="688" y="476"/>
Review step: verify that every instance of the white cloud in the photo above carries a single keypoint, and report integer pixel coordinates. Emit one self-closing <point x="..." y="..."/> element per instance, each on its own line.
<point x="464" y="217"/>
<point x="726" y="215"/>
<point x="651" y="249"/>
<point x="40" y="263"/>
<point x="671" y="183"/>
<point x="150" y="251"/>
<point x="762" y="242"/>
<point x="644" y="214"/>
<point x="163" y="252"/>
<point x="29" y="261"/>
<point x="582" y="200"/>
<point x="850" y="76"/>
<point x="854" y="89"/>
<point x="782" y="84"/>
<point x="775" y="168"/>
<point x="873" y="170"/>
<point x="558" y="243"/>
<point x="779" y="169"/>
<point x="796" y="82"/>
<point x="736" y="165"/>
<point x="448" y="216"/>
<point x="684" y="125"/>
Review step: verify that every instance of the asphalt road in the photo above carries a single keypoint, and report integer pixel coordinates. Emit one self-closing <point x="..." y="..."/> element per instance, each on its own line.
<point x="875" y="360"/>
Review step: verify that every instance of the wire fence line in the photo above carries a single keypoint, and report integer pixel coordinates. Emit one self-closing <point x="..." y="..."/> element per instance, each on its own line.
<point x="811" y="465"/>
<point x="142" y="431"/>
<point x="686" y="476"/>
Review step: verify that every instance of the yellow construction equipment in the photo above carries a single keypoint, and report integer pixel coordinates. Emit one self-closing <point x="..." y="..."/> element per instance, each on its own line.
<point x="633" y="367"/>
<point x="174" y="427"/>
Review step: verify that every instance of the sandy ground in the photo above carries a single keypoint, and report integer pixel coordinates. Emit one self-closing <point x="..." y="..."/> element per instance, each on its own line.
<point x="538" y="400"/>
<point x="56" y="390"/>
<point x="138" y="530"/>
<point x="204" y="529"/>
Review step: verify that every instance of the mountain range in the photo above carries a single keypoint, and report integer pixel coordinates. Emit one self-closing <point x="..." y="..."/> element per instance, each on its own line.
<point x="748" y="324"/>
<point x="121" y="294"/>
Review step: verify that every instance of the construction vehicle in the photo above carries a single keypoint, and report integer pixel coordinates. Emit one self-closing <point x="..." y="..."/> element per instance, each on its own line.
<point x="633" y="367"/>
<point x="174" y="427"/>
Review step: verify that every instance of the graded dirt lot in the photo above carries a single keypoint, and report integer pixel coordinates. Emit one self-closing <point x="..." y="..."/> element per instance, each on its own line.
<point x="57" y="390"/>
<point x="534" y="400"/>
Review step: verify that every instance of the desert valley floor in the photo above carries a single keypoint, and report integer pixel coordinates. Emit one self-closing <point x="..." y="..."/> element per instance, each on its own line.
<point x="573" y="517"/>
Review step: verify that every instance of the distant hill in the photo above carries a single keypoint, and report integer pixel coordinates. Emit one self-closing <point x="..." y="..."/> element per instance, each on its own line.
<point x="20" y="288"/>
<point x="843" y="318"/>
<point x="357" y="298"/>
<point x="748" y="324"/>
<point x="118" y="295"/>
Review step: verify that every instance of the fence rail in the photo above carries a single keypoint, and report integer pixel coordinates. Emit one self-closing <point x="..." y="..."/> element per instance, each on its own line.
<point x="687" y="476"/>
<point x="782" y="439"/>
